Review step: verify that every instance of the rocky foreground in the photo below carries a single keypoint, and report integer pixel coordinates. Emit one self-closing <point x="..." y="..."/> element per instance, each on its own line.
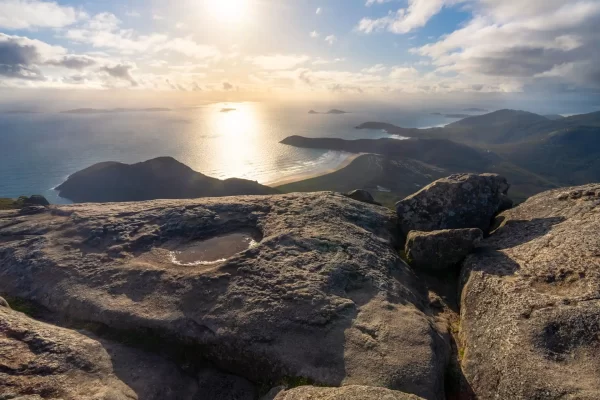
<point x="318" y="304"/>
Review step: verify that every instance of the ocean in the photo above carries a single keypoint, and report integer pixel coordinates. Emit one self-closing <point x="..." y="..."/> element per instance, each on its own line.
<point x="39" y="151"/>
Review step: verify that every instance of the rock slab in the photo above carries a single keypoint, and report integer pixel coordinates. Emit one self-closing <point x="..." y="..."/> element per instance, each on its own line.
<point x="530" y="307"/>
<point x="440" y="250"/>
<point x="322" y="295"/>
<point x="44" y="361"/>
<point x="456" y="202"/>
<point x="344" y="393"/>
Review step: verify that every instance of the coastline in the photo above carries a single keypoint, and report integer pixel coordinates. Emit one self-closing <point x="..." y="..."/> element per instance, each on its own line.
<point x="303" y="176"/>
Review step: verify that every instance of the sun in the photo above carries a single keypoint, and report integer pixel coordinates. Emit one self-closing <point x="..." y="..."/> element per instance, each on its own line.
<point x="228" y="11"/>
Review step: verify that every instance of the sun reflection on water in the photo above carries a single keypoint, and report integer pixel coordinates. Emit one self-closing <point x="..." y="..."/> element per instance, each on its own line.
<point x="236" y="127"/>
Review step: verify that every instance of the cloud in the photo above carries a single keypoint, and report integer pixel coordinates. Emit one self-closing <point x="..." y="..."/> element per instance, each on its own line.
<point x="546" y="41"/>
<point x="227" y="86"/>
<point x="375" y="69"/>
<point x="314" y="34"/>
<point x="279" y="61"/>
<point x="403" y="73"/>
<point x="371" y="2"/>
<point x="72" y="62"/>
<point x="319" y="11"/>
<point x="322" y="61"/>
<point x="331" y="39"/>
<point x="29" y="14"/>
<point x="122" y="72"/>
<point x="418" y="13"/>
<point x="103" y="31"/>
<point x="20" y="57"/>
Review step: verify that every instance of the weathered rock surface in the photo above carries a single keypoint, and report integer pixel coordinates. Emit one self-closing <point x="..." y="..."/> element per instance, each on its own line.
<point x="530" y="316"/>
<point x="343" y="393"/>
<point x="458" y="201"/>
<point x="362" y="195"/>
<point x="440" y="250"/>
<point x="323" y="296"/>
<point x="42" y="360"/>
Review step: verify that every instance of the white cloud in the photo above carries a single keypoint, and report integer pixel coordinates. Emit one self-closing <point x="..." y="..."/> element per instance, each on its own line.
<point x="375" y="69"/>
<point x="279" y="61"/>
<point x="507" y="44"/>
<point x="314" y="34"/>
<point x="103" y="31"/>
<point x="331" y="39"/>
<point x="548" y="39"/>
<point x="404" y="73"/>
<point x="418" y="13"/>
<point x="371" y="2"/>
<point x="319" y="11"/>
<point x="322" y="61"/>
<point x="29" y="14"/>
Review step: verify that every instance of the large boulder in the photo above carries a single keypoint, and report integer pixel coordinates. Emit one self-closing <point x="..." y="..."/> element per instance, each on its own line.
<point x="440" y="250"/>
<point x="458" y="201"/>
<point x="343" y="393"/>
<point x="38" y="359"/>
<point x="315" y="290"/>
<point x="530" y="312"/>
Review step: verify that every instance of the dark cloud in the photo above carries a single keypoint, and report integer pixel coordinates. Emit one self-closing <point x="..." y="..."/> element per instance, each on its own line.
<point x="73" y="62"/>
<point x="227" y="86"/>
<point x="121" y="71"/>
<point x="18" y="60"/>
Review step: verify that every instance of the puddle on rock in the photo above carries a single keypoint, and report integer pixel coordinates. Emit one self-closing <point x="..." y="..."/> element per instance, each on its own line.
<point x="213" y="250"/>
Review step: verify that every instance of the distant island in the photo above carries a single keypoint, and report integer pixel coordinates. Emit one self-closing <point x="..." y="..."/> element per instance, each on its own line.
<point x="226" y="110"/>
<point x="475" y="109"/>
<point x="113" y="110"/>
<point x="159" y="178"/>
<point x="333" y="111"/>
<point x="554" y="117"/>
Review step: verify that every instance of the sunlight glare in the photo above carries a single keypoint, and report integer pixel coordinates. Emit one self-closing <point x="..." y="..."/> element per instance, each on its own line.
<point x="228" y="11"/>
<point x="237" y="132"/>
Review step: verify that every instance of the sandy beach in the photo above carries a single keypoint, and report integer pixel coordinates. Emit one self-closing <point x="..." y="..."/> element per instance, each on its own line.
<point x="300" y="177"/>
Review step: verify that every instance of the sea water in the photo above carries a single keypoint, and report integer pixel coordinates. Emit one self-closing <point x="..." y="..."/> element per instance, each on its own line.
<point x="39" y="151"/>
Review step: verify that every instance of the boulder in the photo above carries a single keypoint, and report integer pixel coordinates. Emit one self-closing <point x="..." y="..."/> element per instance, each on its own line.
<point x="299" y="287"/>
<point x="4" y="303"/>
<point x="530" y="307"/>
<point x="36" y="200"/>
<point x="344" y="393"/>
<point x="38" y="360"/>
<point x="440" y="250"/>
<point x="361" y="195"/>
<point x="458" y="201"/>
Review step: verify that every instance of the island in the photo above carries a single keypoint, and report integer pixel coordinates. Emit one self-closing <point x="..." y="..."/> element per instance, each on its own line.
<point x="331" y="112"/>
<point x="159" y="178"/>
<point x="227" y="110"/>
<point x="113" y="110"/>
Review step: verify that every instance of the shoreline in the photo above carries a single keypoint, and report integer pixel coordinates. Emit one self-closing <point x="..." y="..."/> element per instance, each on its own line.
<point x="303" y="176"/>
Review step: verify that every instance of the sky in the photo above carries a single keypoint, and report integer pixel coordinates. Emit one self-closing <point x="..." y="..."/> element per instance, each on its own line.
<point x="287" y="49"/>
